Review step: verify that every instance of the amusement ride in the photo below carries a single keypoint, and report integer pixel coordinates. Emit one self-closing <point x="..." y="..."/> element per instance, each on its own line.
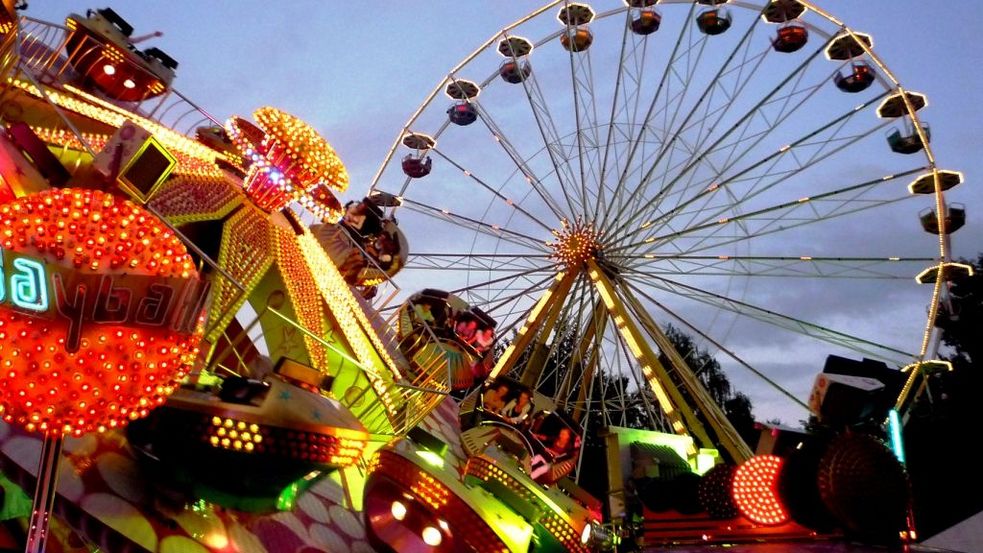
<point x="211" y="352"/>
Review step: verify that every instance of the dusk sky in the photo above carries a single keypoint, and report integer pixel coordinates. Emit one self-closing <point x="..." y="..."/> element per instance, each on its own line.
<point x="357" y="70"/>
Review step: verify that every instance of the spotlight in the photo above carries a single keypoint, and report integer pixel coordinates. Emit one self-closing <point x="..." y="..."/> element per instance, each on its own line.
<point x="108" y="69"/>
<point x="432" y="536"/>
<point x="597" y="536"/>
<point x="128" y="83"/>
<point x="398" y="510"/>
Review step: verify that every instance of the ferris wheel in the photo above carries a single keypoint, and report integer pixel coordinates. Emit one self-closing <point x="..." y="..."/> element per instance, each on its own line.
<point x="749" y="172"/>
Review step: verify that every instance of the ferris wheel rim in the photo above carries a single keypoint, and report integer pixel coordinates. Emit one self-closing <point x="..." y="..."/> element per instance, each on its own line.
<point x="894" y="86"/>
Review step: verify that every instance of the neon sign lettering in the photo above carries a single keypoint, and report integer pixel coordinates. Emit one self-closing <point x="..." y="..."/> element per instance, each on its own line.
<point x="28" y="291"/>
<point x="46" y="290"/>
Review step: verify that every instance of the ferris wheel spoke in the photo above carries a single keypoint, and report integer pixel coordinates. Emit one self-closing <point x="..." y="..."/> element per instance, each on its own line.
<point x="767" y="163"/>
<point x="515" y="205"/>
<point x="494" y="231"/>
<point x="582" y="100"/>
<point x="726" y="351"/>
<point x="783" y="217"/>
<point x="513" y="302"/>
<point x="694" y="150"/>
<point x="625" y="71"/>
<point x="507" y="291"/>
<point x="787" y="322"/>
<point x="586" y="323"/>
<point x="668" y="145"/>
<point x="741" y="70"/>
<point x="560" y="352"/>
<point x="558" y="155"/>
<point x="523" y="167"/>
<point x="742" y="127"/>
<point x="806" y="266"/>
<point x="490" y="262"/>
<point x="771" y="177"/>
<point x="639" y="139"/>
<point x="499" y="281"/>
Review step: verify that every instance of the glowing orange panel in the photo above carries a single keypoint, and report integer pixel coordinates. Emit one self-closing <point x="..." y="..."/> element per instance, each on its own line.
<point x="756" y="490"/>
<point x="101" y="311"/>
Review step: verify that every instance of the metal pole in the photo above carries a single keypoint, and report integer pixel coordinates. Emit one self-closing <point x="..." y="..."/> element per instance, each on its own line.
<point x="44" y="493"/>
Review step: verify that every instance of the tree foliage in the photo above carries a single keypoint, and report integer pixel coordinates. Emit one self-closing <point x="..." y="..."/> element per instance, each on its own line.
<point x="942" y="419"/>
<point x="736" y="405"/>
<point x="962" y="320"/>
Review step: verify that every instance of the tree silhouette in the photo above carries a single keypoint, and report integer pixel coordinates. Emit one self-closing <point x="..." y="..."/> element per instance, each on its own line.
<point x="940" y="419"/>
<point x="736" y="405"/>
<point x="962" y="321"/>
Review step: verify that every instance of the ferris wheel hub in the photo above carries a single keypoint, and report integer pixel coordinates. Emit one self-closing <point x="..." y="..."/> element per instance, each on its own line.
<point x="575" y="243"/>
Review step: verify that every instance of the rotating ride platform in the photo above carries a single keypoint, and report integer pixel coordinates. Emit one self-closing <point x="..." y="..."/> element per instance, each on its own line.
<point x="317" y="415"/>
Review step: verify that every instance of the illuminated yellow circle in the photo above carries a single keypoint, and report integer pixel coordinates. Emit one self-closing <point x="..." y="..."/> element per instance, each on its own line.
<point x="432" y="536"/>
<point x="398" y="510"/>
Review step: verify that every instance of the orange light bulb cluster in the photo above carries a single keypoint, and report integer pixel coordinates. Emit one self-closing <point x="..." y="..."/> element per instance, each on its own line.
<point x="575" y="244"/>
<point x="286" y="158"/>
<point x="391" y="476"/>
<point x="324" y="448"/>
<point x="555" y="520"/>
<point x="83" y="103"/>
<point x="304" y="295"/>
<point x="322" y="202"/>
<point x="191" y="196"/>
<point x="756" y="490"/>
<point x="309" y="158"/>
<point x="120" y="370"/>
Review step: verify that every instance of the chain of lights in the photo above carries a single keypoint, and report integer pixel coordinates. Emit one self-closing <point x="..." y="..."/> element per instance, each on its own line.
<point x="64" y="138"/>
<point x="191" y="196"/>
<point x="68" y="139"/>
<point x="337" y="447"/>
<point x="89" y="275"/>
<point x="756" y="490"/>
<point x="553" y="518"/>
<point x="351" y="320"/>
<point x="303" y="293"/>
<point x="288" y="159"/>
<point x="246" y="253"/>
<point x="471" y="531"/>
<point x="343" y="304"/>
<point x="94" y="108"/>
<point x="308" y="158"/>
